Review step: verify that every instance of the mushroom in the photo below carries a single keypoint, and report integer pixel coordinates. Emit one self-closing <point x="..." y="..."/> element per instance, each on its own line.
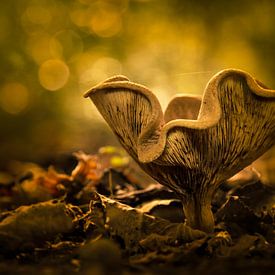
<point x="192" y="155"/>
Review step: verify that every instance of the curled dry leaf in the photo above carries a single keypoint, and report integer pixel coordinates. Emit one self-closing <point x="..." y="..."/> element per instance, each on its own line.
<point x="234" y="126"/>
<point x="92" y="167"/>
<point x="131" y="226"/>
<point x="255" y="195"/>
<point x="247" y="245"/>
<point x="88" y="167"/>
<point x="47" y="178"/>
<point x="29" y="226"/>
<point x="151" y="192"/>
<point x="170" y="210"/>
<point x="236" y="214"/>
<point x="32" y="183"/>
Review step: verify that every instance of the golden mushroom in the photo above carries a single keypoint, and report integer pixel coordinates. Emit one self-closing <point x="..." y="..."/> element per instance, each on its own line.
<point x="192" y="155"/>
<point x="183" y="106"/>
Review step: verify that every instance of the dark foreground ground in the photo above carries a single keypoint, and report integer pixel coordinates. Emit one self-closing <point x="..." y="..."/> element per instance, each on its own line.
<point x="98" y="214"/>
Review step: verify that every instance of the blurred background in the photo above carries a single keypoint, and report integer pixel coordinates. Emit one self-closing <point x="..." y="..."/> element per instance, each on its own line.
<point x="52" y="51"/>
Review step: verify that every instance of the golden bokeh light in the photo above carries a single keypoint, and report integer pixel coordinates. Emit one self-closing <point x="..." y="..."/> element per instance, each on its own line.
<point x="85" y="61"/>
<point x="53" y="74"/>
<point x="38" y="15"/>
<point x="36" y="18"/>
<point x="106" y="22"/>
<point x="14" y="98"/>
<point x="169" y="46"/>
<point x="66" y="44"/>
<point x="103" y="18"/>
<point x="99" y="70"/>
<point x="38" y="47"/>
<point x="80" y="16"/>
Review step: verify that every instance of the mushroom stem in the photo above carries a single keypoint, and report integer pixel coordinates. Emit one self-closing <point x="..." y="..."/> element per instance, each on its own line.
<point x="198" y="214"/>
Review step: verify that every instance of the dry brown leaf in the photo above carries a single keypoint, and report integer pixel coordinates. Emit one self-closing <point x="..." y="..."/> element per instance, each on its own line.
<point x="29" y="226"/>
<point x="131" y="226"/>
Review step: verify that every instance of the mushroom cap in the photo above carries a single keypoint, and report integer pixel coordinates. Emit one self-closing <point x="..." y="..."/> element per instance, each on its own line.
<point x="235" y="124"/>
<point x="183" y="106"/>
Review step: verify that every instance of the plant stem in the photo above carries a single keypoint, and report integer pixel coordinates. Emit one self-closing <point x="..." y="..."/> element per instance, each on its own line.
<point x="198" y="214"/>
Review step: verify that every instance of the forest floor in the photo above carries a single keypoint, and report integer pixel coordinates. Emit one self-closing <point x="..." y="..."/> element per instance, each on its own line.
<point x="99" y="214"/>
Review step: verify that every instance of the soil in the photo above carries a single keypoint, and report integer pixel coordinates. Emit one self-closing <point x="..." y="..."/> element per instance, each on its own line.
<point x="99" y="214"/>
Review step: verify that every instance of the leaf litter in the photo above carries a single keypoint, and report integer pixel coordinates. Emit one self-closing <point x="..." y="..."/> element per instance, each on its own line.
<point x="108" y="217"/>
